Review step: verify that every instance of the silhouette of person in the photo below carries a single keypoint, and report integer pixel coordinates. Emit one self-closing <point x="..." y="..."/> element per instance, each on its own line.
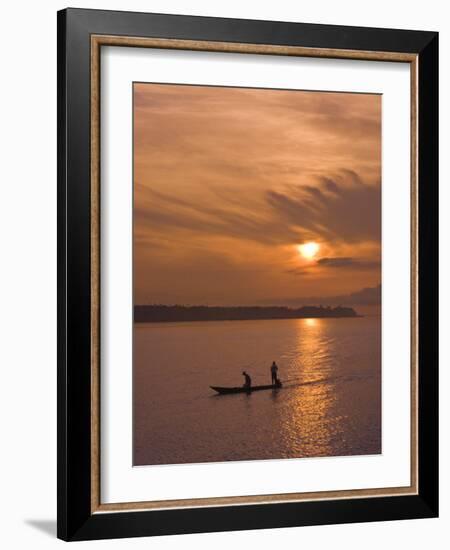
<point x="274" y="373"/>
<point x="248" y="380"/>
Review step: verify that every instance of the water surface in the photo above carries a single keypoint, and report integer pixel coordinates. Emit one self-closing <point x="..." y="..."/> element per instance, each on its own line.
<point x="330" y="403"/>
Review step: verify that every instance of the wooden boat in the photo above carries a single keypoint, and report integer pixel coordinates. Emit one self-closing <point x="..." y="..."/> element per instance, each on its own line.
<point x="241" y="389"/>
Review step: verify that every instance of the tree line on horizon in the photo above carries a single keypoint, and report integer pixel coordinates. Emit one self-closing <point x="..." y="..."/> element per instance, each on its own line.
<point x="175" y="313"/>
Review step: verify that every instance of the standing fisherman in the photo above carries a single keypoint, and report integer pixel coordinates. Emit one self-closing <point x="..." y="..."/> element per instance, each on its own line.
<point x="248" y="380"/>
<point x="274" y="373"/>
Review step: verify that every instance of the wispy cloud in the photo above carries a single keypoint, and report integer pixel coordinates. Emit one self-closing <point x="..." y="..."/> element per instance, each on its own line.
<point x="353" y="263"/>
<point x="339" y="207"/>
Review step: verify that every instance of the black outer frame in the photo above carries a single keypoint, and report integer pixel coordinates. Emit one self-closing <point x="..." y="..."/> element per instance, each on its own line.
<point x="75" y="521"/>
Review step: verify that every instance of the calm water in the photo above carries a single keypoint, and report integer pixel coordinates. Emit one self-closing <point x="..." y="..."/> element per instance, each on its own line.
<point x="330" y="404"/>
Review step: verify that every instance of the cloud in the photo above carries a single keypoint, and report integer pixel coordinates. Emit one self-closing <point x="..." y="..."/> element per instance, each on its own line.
<point x="221" y="218"/>
<point x="299" y="271"/>
<point x="348" y="211"/>
<point x="341" y="208"/>
<point x="348" y="262"/>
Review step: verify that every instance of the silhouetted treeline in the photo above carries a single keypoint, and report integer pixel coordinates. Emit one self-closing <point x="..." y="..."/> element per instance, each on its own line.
<point x="161" y="314"/>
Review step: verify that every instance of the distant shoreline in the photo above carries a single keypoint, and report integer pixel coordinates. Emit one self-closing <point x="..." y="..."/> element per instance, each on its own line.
<point x="173" y="314"/>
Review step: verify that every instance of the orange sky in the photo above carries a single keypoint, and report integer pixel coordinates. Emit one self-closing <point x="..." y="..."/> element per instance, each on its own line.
<point x="229" y="181"/>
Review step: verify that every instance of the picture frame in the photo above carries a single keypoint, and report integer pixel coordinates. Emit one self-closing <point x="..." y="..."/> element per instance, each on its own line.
<point x="81" y="36"/>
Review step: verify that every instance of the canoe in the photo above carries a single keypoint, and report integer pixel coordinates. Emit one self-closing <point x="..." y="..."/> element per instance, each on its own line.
<point x="241" y="389"/>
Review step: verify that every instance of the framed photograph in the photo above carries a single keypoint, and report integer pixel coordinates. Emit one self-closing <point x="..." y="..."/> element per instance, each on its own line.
<point x="247" y="253"/>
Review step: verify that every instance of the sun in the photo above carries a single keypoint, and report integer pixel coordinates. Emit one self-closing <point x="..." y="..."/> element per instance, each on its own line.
<point x="308" y="250"/>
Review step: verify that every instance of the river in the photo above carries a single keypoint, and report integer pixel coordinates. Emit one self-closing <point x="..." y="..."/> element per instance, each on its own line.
<point x="330" y="403"/>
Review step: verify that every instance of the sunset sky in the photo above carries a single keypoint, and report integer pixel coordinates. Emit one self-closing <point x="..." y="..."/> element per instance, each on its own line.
<point x="231" y="183"/>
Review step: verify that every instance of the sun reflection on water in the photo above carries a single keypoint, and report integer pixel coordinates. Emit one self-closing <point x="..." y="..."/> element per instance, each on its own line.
<point x="307" y="426"/>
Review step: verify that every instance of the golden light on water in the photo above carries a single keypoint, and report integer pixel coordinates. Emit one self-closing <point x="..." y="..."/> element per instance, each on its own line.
<point x="306" y="428"/>
<point x="308" y="250"/>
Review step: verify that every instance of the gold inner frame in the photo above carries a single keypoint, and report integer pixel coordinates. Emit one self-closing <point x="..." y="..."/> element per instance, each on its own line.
<point x="97" y="41"/>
